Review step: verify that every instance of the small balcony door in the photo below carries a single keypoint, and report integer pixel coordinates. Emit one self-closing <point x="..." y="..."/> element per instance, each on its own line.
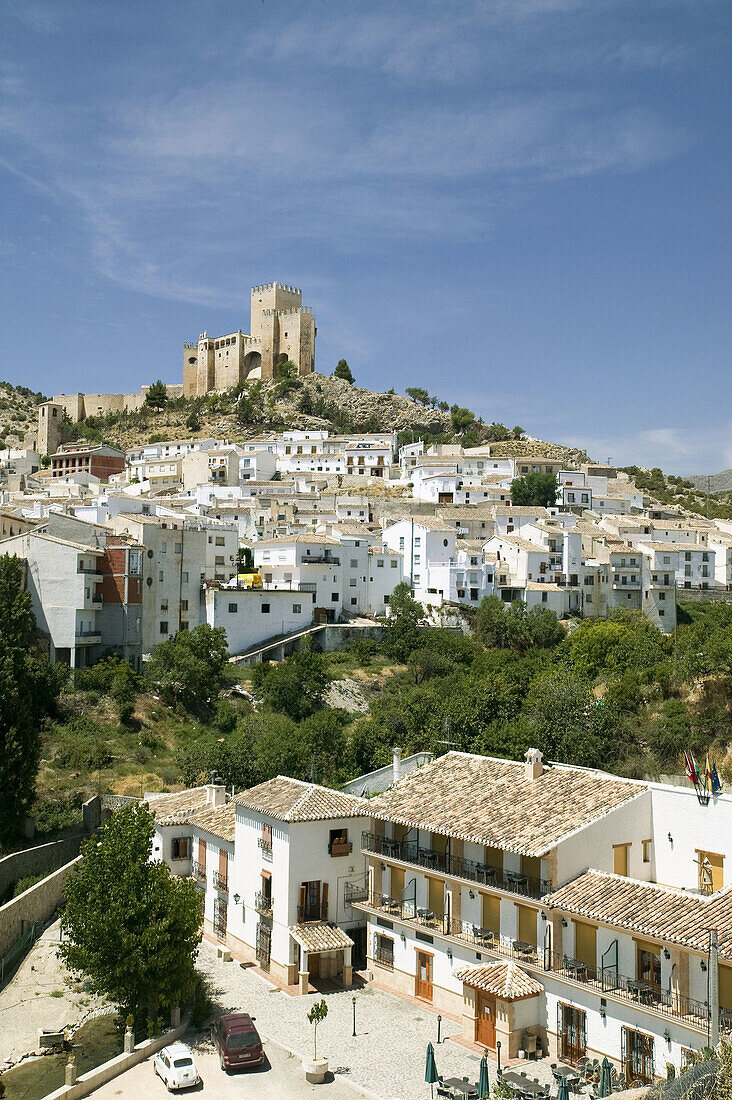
<point x="423" y="988"/>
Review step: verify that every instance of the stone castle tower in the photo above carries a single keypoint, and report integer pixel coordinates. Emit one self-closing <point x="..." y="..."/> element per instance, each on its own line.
<point x="281" y="329"/>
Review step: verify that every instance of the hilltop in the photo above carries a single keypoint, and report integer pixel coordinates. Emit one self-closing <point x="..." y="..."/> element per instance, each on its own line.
<point x="17" y="413"/>
<point x="324" y="402"/>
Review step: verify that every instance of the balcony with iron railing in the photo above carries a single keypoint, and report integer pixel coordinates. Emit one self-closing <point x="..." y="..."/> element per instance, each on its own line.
<point x="266" y="849"/>
<point x="220" y="882"/>
<point x="355" y="891"/>
<point x="429" y="859"/>
<point x="219" y="927"/>
<point x="606" y="981"/>
<point x="263" y="903"/>
<point x="198" y="870"/>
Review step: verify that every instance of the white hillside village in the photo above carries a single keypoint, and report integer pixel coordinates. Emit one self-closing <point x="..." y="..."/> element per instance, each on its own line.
<point x="549" y="915"/>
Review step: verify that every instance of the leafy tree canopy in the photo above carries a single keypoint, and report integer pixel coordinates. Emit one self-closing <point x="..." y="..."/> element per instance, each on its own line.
<point x="157" y="396"/>
<point x="29" y="687"/>
<point x="534" y="489"/>
<point x="461" y="418"/>
<point x="131" y="927"/>
<point x="342" y="370"/>
<point x="418" y="394"/>
<point x="401" y="630"/>
<point x="294" y="686"/>
<point x="190" y="668"/>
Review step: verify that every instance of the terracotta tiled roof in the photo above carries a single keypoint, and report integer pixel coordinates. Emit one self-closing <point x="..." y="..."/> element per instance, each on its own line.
<point x="490" y="801"/>
<point x="661" y="912"/>
<point x="218" y="820"/>
<point x="320" y="936"/>
<point x="168" y="809"/>
<point x="295" y="800"/>
<point x="505" y="979"/>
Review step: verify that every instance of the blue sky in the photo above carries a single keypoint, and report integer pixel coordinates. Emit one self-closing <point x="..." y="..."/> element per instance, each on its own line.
<point x="521" y="205"/>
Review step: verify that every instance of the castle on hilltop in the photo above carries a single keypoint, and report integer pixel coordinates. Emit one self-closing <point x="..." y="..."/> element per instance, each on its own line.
<point x="281" y="329"/>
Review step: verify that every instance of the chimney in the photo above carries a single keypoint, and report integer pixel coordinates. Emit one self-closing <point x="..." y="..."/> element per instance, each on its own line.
<point x="396" y="766"/>
<point x="215" y="791"/>
<point x="533" y="767"/>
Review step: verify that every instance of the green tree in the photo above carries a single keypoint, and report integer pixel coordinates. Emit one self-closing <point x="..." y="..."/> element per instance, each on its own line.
<point x="418" y="394"/>
<point x="193" y="421"/>
<point x="130" y="926"/>
<point x="190" y="668"/>
<point x="401" y="630"/>
<point x="294" y="686"/>
<point x="342" y="370"/>
<point x="534" y="489"/>
<point x="250" y="406"/>
<point x="29" y="687"/>
<point x="461" y="418"/>
<point x="316" y="1015"/>
<point x="157" y="396"/>
<point x="564" y="719"/>
<point x="517" y="432"/>
<point x="305" y="403"/>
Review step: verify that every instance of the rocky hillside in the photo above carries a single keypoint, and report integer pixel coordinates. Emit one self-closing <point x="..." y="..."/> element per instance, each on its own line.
<point x="713" y="483"/>
<point x="17" y="413"/>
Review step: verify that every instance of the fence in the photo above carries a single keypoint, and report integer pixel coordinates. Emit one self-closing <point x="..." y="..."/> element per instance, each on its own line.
<point x="12" y="958"/>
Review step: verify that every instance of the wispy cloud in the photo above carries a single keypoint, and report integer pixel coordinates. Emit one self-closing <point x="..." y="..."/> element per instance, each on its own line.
<point x="676" y="450"/>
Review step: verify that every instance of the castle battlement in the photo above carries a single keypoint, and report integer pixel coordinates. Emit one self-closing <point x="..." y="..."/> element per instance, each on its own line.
<point x="284" y="312"/>
<point x="274" y="286"/>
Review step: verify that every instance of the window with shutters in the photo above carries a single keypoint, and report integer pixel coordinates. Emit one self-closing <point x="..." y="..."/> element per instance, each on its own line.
<point x="180" y="847"/>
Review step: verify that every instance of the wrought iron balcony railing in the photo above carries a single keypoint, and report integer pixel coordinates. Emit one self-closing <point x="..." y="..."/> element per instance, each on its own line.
<point x="431" y="860"/>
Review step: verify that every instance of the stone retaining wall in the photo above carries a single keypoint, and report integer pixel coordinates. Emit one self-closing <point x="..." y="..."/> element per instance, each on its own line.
<point x="39" y="860"/>
<point x="36" y="904"/>
<point x="95" y="1078"/>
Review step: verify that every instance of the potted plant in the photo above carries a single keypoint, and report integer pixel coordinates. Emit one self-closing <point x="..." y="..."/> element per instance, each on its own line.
<point x="316" y="1068"/>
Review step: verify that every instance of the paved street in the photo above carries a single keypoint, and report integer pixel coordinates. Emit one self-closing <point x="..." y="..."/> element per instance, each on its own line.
<point x="387" y="1056"/>
<point x="280" y="1077"/>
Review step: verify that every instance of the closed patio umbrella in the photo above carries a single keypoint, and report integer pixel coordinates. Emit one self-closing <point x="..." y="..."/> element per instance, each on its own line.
<point x="483" y="1083"/>
<point x="430" y="1069"/>
<point x="606" y="1082"/>
<point x="563" y="1090"/>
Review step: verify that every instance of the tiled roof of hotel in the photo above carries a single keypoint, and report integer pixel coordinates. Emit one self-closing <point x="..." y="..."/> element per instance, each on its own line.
<point x="490" y="801"/>
<point x="171" y="808"/>
<point x="320" y="936"/>
<point x="308" y="540"/>
<point x="294" y="800"/>
<point x="661" y="912"/>
<point x="505" y="980"/>
<point x="520" y="510"/>
<point x="218" y="820"/>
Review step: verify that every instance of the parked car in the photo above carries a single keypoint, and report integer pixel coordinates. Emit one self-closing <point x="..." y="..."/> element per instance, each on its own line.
<point x="237" y="1041"/>
<point x="174" y="1065"/>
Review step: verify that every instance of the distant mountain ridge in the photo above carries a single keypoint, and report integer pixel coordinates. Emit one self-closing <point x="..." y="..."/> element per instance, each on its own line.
<point x="713" y="483"/>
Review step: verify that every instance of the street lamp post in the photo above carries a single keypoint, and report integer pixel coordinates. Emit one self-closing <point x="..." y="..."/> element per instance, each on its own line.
<point x="353" y="1001"/>
<point x="439" y="1025"/>
<point x="498" y="1052"/>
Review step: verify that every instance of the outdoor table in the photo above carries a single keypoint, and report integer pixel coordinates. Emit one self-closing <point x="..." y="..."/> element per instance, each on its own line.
<point x="527" y="1085"/>
<point x="566" y="1071"/>
<point x="524" y="948"/>
<point x="391" y="848"/>
<point x="427" y="857"/>
<point x="517" y="879"/>
<point x="425" y="914"/>
<point x="485" y="874"/>
<point x="576" y="966"/>
<point x="389" y="903"/>
<point x="461" y="1087"/>
<point x="644" y="992"/>
<point x="484" y="936"/>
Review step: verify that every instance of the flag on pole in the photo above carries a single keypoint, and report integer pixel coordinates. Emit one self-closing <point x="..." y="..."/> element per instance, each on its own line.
<point x="716" y="784"/>
<point x="707" y="774"/>
<point x="691" y="771"/>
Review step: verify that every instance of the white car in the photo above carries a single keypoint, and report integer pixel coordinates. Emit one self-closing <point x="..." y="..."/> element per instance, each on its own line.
<point x="174" y="1065"/>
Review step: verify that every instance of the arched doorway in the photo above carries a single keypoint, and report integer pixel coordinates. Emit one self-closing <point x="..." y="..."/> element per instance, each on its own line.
<point x="252" y="367"/>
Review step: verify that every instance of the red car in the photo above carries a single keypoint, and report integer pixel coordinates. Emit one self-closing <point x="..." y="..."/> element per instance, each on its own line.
<point x="237" y="1041"/>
